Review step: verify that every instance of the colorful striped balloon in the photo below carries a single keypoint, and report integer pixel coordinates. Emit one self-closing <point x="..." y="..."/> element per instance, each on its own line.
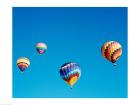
<point x="111" y="50"/>
<point x="41" y="48"/>
<point x="70" y="72"/>
<point x="23" y="63"/>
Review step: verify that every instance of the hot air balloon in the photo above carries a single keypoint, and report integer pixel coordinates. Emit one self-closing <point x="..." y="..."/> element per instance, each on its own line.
<point x="111" y="50"/>
<point x="41" y="48"/>
<point x="23" y="63"/>
<point x="70" y="73"/>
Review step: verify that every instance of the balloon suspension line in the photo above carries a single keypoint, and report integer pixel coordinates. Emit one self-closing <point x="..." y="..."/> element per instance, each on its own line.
<point x="114" y="64"/>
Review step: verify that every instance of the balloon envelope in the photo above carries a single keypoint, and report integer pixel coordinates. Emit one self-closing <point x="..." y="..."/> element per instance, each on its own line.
<point x="23" y="63"/>
<point x="111" y="50"/>
<point x="70" y="73"/>
<point x="41" y="48"/>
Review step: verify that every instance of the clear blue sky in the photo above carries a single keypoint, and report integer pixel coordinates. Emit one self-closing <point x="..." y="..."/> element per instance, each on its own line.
<point x="71" y="34"/>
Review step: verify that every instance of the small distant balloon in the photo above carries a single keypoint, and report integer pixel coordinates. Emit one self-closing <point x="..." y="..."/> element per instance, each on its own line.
<point x="41" y="48"/>
<point x="70" y="73"/>
<point x="112" y="51"/>
<point x="23" y="63"/>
